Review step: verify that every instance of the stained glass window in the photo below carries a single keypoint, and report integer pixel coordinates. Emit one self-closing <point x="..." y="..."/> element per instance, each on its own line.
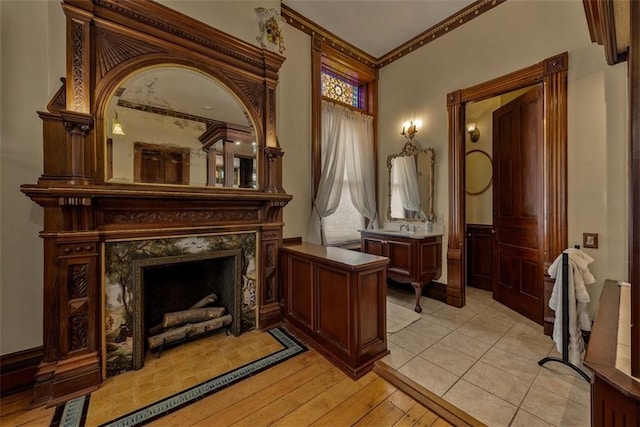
<point x="340" y="90"/>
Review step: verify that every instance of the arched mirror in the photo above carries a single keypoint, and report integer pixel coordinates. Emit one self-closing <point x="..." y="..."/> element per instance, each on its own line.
<point x="479" y="172"/>
<point x="175" y="125"/>
<point x="411" y="184"/>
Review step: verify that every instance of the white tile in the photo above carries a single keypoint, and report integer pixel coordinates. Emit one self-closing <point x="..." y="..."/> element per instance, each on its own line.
<point x="522" y="368"/>
<point x="432" y="377"/>
<point x="411" y="341"/>
<point x="429" y="329"/>
<point x="480" y="332"/>
<point x="564" y="382"/>
<point x="555" y="409"/>
<point x="496" y="381"/>
<point x="527" y="349"/>
<point x="480" y="404"/>
<point x="448" y="358"/>
<point x="525" y="419"/>
<point x="466" y="345"/>
<point x="397" y="356"/>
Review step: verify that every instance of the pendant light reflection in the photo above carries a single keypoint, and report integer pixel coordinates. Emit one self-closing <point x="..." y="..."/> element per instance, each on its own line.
<point x="116" y="128"/>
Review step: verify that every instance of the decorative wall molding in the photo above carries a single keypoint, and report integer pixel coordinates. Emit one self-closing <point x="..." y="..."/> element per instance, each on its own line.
<point x="443" y="27"/>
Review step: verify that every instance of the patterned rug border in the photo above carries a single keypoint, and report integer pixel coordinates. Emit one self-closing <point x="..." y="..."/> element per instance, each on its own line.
<point x="74" y="412"/>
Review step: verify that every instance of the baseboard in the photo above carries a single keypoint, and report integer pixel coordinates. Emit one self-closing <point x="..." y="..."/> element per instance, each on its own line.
<point x="429" y="400"/>
<point x="18" y="370"/>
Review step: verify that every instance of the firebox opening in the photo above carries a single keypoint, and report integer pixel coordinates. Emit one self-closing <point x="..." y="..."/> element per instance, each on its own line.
<point x="173" y="284"/>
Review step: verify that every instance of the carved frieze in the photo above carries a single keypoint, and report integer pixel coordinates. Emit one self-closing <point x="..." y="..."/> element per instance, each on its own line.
<point x="168" y="216"/>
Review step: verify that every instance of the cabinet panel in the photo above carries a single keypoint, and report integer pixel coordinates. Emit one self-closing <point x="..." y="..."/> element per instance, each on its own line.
<point x="333" y="291"/>
<point x="370" y="293"/>
<point x="347" y="294"/>
<point x="400" y="257"/>
<point x="374" y="246"/>
<point x="300" y="274"/>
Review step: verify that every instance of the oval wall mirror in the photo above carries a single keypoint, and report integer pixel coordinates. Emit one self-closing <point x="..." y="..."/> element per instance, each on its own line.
<point x="479" y="172"/>
<point x="174" y="125"/>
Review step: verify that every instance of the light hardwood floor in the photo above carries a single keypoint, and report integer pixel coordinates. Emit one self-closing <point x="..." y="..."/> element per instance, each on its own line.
<point x="304" y="390"/>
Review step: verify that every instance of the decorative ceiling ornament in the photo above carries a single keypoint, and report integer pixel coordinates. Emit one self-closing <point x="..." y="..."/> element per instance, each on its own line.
<point x="270" y="27"/>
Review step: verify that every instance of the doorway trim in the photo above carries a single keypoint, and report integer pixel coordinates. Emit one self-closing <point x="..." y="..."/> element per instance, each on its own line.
<point x="552" y="74"/>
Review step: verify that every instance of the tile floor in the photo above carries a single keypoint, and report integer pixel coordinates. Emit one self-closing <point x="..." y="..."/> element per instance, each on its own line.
<point x="483" y="358"/>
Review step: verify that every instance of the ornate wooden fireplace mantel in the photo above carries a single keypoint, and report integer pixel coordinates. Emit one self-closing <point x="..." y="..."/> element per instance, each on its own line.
<point x="107" y="41"/>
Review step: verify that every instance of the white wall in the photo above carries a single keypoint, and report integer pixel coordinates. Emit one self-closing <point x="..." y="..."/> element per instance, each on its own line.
<point x="32" y="58"/>
<point x="294" y="129"/>
<point x="514" y="35"/>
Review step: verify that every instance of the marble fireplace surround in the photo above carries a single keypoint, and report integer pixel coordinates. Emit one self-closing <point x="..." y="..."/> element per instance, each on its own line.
<point x="107" y="41"/>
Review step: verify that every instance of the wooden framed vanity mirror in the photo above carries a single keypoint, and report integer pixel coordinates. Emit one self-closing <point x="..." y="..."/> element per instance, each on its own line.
<point x="411" y="183"/>
<point x="197" y="174"/>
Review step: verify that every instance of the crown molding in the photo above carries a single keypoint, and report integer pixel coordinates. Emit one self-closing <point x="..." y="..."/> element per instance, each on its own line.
<point x="307" y="26"/>
<point x="443" y="27"/>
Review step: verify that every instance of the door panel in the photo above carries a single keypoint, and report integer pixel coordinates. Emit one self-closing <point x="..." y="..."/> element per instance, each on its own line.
<point x="517" y="148"/>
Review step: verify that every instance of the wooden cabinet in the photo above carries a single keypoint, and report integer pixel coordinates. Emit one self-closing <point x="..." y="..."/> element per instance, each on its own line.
<point x="412" y="259"/>
<point x="336" y="299"/>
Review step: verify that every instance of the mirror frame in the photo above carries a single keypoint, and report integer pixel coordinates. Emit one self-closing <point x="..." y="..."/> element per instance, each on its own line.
<point x="410" y="149"/>
<point x="106" y="51"/>
<point x="486" y="187"/>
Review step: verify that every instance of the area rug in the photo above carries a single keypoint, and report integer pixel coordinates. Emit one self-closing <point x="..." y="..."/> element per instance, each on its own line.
<point x="74" y="412"/>
<point x="399" y="317"/>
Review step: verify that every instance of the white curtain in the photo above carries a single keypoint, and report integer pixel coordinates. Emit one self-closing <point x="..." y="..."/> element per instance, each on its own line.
<point x="346" y="141"/>
<point x="407" y="175"/>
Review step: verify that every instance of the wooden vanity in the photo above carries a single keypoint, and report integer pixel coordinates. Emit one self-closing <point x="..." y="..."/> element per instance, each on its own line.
<point x="413" y="258"/>
<point x="336" y="299"/>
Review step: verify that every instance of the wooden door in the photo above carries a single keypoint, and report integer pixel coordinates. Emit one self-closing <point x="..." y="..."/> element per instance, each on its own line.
<point x="479" y="252"/>
<point x="517" y="204"/>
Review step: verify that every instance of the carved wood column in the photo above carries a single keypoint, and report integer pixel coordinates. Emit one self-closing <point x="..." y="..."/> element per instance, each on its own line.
<point x="78" y="126"/>
<point x="274" y="169"/>
<point x="455" y="247"/>
<point x="555" y="173"/>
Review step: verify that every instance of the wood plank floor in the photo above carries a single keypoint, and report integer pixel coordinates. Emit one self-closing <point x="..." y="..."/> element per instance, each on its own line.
<point x="305" y="390"/>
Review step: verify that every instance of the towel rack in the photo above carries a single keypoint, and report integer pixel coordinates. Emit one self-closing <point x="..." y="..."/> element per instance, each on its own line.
<point x="565" y="323"/>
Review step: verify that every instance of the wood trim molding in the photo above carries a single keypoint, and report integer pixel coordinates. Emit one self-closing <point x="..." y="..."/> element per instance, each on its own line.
<point x="429" y="400"/>
<point x="316" y="31"/>
<point x="443" y="27"/>
<point x="601" y="19"/>
<point x="18" y="370"/>
<point x="634" y="185"/>
<point x="552" y="74"/>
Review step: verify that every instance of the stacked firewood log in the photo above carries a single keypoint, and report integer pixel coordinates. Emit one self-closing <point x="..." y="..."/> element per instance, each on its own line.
<point x="197" y="320"/>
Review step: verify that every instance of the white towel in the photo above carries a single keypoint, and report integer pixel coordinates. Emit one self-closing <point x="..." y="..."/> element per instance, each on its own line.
<point x="579" y="276"/>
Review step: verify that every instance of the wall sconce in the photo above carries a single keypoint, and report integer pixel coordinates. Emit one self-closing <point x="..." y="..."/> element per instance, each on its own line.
<point x="409" y="129"/>
<point x="474" y="132"/>
<point x="116" y="128"/>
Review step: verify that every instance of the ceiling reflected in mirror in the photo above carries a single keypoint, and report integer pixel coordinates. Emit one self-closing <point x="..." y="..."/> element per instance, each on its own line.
<point x="176" y="126"/>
